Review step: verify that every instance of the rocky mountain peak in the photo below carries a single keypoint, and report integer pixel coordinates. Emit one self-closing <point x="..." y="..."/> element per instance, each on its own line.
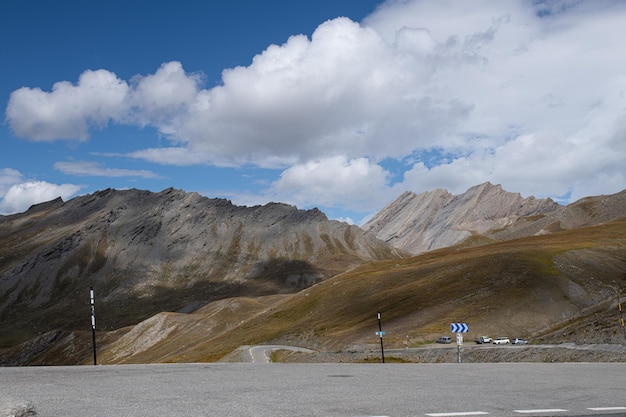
<point x="138" y="247"/>
<point x="435" y="219"/>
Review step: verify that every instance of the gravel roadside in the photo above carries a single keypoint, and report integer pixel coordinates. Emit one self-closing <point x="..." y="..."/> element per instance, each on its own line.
<point x="565" y="352"/>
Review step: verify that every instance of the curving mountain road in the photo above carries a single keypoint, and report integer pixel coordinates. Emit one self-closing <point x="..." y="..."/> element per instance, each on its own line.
<point x="261" y="353"/>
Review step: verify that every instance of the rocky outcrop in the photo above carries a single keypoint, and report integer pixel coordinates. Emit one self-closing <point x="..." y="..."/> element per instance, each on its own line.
<point x="436" y="219"/>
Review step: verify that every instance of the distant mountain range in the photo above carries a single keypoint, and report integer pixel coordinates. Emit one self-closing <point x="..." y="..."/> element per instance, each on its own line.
<point x="437" y="219"/>
<point x="181" y="277"/>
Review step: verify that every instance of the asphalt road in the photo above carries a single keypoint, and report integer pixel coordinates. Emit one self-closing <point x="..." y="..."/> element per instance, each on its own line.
<point x="274" y="390"/>
<point x="261" y="353"/>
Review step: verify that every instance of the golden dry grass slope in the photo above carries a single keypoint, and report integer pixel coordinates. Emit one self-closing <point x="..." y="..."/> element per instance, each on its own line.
<point x="559" y="287"/>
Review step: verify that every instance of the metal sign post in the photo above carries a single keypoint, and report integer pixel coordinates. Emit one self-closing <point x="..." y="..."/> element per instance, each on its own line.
<point x="381" y="334"/>
<point x="459" y="329"/>
<point x="93" y="324"/>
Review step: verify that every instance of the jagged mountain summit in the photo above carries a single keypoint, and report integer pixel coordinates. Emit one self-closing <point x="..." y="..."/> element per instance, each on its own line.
<point x="147" y="252"/>
<point x="436" y="219"/>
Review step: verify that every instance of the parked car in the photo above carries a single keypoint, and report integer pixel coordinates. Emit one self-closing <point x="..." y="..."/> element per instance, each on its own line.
<point x="483" y="339"/>
<point x="518" y="341"/>
<point x="444" y="339"/>
<point x="501" y="341"/>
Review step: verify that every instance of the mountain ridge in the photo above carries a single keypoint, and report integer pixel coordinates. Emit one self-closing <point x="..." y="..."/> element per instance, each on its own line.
<point x="431" y="220"/>
<point x="147" y="252"/>
<point x="180" y="277"/>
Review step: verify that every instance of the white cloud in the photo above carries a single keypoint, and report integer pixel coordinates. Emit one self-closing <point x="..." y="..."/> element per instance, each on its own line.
<point x="329" y="181"/>
<point x="95" y="169"/>
<point x="529" y="95"/>
<point x="546" y="162"/>
<point x="169" y="156"/>
<point x="68" y="111"/>
<point x="158" y="99"/>
<point x="342" y="92"/>
<point x="20" y="197"/>
<point x="8" y="177"/>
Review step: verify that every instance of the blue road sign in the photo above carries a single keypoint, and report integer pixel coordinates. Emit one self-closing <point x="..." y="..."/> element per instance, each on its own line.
<point x="458" y="327"/>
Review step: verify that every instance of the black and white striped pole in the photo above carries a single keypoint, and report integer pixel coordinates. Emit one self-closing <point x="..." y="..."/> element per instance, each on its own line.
<point x="621" y="314"/>
<point x="381" y="334"/>
<point x="93" y="325"/>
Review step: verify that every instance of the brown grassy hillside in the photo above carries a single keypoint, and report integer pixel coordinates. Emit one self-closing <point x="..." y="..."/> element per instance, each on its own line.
<point x="558" y="287"/>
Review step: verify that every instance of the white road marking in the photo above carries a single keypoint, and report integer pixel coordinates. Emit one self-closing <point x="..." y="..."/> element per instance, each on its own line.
<point x="462" y="413"/>
<point x="541" y="410"/>
<point x="606" y="408"/>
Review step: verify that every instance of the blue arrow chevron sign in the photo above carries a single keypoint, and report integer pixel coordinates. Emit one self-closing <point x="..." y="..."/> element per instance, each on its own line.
<point x="458" y="327"/>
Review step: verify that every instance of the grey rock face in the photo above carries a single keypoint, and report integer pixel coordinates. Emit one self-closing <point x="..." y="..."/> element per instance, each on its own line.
<point x="436" y="219"/>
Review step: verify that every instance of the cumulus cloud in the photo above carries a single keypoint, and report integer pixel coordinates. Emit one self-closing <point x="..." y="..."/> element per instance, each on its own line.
<point x="19" y="197"/>
<point x="340" y="92"/>
<point x="527" y="94"/>
<point x="158" y="99"/>
<point x="68" y="111"/>
<point x="328" y="181"/>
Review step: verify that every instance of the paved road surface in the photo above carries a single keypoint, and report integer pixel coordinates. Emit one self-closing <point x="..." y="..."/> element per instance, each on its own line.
<point x="275" y="390"/>
<point x="261" y="353"/>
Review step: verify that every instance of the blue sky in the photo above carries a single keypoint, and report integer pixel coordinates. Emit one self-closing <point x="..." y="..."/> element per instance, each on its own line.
<point x="336" y="104"/>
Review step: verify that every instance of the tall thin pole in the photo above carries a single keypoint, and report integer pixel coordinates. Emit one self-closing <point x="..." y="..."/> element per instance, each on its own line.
<point x="621" y="314"/>
<point x="380" y="333"/>
<point x="93" y="325"/>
